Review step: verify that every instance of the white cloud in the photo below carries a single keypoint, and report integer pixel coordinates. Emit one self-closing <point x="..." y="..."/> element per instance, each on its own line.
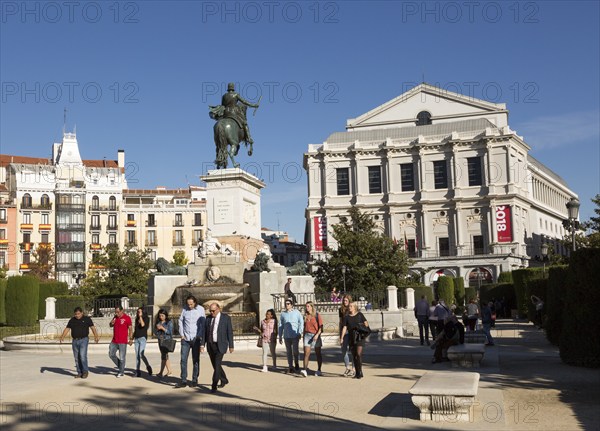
<point x="561" y="130"/>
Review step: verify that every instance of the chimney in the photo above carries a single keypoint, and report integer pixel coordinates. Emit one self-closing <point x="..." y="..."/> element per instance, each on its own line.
<point x="121" y="158"/>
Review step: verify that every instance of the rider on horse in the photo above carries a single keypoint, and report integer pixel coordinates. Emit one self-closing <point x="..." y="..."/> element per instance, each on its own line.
<point x="229" y="108"/>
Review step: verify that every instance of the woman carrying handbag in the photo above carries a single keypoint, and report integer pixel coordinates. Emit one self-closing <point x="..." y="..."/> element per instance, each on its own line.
<point x="357" y="326"/>
<point x="164" y="331"/>
<point x="267" y="339"/>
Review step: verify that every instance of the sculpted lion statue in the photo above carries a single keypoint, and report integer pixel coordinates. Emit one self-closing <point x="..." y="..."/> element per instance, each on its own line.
<point x="261" y="263"/>
<point x="299" y="268"/>
<point x="164" y="267"/>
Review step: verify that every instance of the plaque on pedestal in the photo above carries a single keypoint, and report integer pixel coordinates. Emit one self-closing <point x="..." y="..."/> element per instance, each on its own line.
<point x="233" y="202"/>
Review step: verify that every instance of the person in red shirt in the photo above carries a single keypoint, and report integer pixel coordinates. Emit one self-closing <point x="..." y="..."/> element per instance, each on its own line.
<point x="122" y="335"/>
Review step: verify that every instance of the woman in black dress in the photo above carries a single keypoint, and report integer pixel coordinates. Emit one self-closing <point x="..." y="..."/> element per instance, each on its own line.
<point x="354" y="319"/>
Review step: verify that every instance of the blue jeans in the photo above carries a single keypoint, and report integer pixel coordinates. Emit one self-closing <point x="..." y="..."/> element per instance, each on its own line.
<point x="486" y="331"/>
<point x="345" y="353"/>
<point x="194" y="346"/>
<point x="80" y="348"/>
<point x="112" y="354"/>
<point x="140" y="348"/>
<point x="291" y="348"/>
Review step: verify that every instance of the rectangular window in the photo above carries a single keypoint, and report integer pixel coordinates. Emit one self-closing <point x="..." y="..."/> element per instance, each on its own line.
<point x="197" y="236"/>
<point x="374" y="179"/>
<point x="45" y="218"/>
<point x="95" y="221"/>
<point x="178" y="237"/>
<point x="130" y="217"/>
<point x="95" y="238"/>
<point x="478" y="244"/>
<point x="440" y="174"/>
<point x="178" y="220"/>
<point x="151" y="220"/>
<point x="131" y="237"/>
<point x="407" y="176"/>
<point x="197" y="219"/>
<point x="45" y="237"/>
<point x="112" y="221"/>
<point x="2" y="214"/>
<point x="474" y="169"/>
<point x="444" y="246"/>
<point x="2" y="258"/>
<point x="26" y="237"/>
<point x="343" y="181"/>
<point x="412" y="248"/>
<point x="2" y="233"/>
<point x="26" y="258"/>
<point x="112" y="238"/>
<point x="27" y="218"/>
<point x="151" y="238"/>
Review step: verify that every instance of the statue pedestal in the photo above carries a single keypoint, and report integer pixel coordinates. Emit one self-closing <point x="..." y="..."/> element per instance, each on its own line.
<point x="233" y="203"/>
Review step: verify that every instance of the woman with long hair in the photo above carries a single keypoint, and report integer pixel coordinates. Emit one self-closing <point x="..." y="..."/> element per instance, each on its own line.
<point x="140" y="335"/>
<point x="343" y="312"/>
<point x="313" y="327"/>
<point x="354" y="320"/>
<point x="164" y="330"/>
<point x="268" y="333"/>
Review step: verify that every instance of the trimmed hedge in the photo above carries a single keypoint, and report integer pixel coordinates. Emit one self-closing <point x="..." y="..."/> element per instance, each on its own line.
<point x="48" y="289"/>
<point x="420" y="290"/>
<point x="445" y="289"/>
<point x="470" y="293"/>
<point x="505" y="277"/>
<point x="3" y="283"/>
<point x="22" y="299"/>
<point x="499" y="291"/>
<point x="520" y="279"/>
<point x="578" y="343"/>
<point x="65" y="304"/>
<point x="555" y="302"/>
<point x="459" y="291"/>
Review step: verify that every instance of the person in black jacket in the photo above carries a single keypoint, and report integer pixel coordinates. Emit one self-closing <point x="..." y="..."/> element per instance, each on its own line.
<point x="353" y="324"/>
<point x="218" y="337"/>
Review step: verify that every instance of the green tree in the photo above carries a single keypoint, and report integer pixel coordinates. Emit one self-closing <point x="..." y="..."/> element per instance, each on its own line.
<point x="372" y="260"/>
<point x="42" y="266"/>
<point x="179" y="258"/>
<point x="123" y="272"/>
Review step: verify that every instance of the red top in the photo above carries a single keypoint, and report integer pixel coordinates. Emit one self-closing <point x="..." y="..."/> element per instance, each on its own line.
<point x="121" y="329"/>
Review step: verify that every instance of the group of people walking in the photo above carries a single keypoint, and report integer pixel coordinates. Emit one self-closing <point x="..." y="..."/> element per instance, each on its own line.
<point x="215" y="333"/>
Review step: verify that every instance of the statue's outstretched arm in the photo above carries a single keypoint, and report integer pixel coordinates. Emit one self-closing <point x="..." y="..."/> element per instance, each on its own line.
<point x="245" y="102"/>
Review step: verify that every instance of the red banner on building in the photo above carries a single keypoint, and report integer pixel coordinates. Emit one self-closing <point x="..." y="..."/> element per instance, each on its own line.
<point x="503" y="224"/>
<point x="320" y="233"/>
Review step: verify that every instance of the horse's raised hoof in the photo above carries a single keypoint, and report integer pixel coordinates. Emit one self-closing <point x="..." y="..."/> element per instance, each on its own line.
<point x="249" y="152"/>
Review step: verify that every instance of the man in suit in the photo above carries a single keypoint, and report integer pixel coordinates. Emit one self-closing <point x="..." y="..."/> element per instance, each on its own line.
<point x="219" y="337"/>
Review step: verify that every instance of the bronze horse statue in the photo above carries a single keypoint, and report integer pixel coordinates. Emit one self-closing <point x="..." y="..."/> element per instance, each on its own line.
<point x="228" y="135"/>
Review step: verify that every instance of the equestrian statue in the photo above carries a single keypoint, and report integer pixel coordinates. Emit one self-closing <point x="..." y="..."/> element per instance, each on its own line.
<point x="231" y="127"/>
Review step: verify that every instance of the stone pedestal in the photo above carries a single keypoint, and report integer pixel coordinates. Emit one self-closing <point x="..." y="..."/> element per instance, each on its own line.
<point x="392" y="298"/>
<point x="233" y="202"/>
<point x="50" y="308"/>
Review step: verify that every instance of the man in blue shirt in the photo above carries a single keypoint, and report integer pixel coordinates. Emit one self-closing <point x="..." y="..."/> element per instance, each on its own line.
<point x="191" y="329"/>
<point x="291" y="327"/>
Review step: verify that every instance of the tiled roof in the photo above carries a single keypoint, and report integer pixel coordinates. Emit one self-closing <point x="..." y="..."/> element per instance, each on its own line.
<point x="6" y="159"/>
<point x="380" y="134"/>
<point x="154" y="192"/>
<point x="101" y="163"/>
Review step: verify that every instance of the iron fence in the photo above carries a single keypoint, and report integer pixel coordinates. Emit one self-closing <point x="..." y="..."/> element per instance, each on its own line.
<point x="324" y="303"/>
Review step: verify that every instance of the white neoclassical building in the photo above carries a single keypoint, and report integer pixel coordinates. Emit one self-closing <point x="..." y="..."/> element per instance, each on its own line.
<point x="446" y="175"/>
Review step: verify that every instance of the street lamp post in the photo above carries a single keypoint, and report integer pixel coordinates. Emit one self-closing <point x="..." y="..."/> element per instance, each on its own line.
<point x="344" y="277"/>
<point x="544" y="249"/>
<point x="573" y="210"/>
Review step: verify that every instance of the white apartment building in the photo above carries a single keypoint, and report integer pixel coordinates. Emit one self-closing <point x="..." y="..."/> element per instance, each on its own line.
<point x="446" y="175"/>
<point x="78" y="206"/>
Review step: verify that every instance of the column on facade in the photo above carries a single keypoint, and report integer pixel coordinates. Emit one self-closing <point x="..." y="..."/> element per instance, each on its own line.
<point x="421" y="171"/>
<point x="460" y="240"/>
<point x="454" y="169"/>
<point x="508" y="166"/>
<point x="493" y="235"/>
<point x="425" y="237"/>
<point x="488" y="163"/>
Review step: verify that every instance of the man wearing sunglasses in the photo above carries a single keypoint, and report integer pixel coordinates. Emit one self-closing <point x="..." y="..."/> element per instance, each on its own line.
<point x="218" y="337"/>
<point x="291" y="326"/>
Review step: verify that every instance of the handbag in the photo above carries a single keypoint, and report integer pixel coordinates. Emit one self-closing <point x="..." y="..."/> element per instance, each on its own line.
<point x="259" y="343"/>
<point x="167" y="343"/>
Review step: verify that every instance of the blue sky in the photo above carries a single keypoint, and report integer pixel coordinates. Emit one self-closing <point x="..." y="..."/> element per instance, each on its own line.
<point x="140" y="76"/>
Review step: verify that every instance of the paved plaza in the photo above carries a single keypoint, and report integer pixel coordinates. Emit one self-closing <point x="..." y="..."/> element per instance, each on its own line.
<point x="523" y="386"/>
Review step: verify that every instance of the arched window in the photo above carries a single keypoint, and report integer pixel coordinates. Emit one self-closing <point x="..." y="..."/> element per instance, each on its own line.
<point x="45" y="201"/>
<point x="26" y="202"/>
<point x="95" y="203"/>
<point x="423" y="118"/>
<point x="112" y="203"/>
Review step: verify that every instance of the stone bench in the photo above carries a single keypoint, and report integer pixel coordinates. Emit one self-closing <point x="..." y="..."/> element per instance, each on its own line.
<point x="475" y="337"/>
<point x="445" y="395"/>
<point x="466" y="355"/>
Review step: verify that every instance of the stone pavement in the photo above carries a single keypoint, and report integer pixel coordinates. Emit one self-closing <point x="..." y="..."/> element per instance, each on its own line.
<point x="523" y="386"/>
